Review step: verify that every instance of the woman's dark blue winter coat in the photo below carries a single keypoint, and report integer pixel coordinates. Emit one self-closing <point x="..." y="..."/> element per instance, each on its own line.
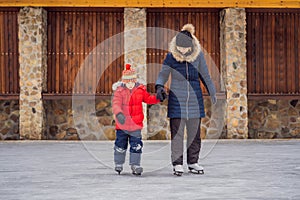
<point x="185" y="96"/>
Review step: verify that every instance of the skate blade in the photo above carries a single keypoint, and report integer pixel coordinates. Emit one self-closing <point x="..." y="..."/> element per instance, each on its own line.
<point x="137" y="174"/>
<point x="119" y="172"/>
<point x="178" y="173"/>
<point x="196" y="171"/>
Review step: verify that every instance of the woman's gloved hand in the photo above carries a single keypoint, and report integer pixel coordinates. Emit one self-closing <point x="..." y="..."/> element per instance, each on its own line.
<point x="213" y="99"/>
<point x="160" y="92"/>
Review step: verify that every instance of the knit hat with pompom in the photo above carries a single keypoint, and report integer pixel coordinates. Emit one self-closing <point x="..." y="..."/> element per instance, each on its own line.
<point x="128" y="74"/>
<point x="184" y="38"/>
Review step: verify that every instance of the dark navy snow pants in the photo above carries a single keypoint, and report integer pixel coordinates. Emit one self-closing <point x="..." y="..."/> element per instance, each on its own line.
<point x="121" y="143"/>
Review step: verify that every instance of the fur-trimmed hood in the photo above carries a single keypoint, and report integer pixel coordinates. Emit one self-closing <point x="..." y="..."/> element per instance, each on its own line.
<point x="120" y="83"/>
<point x="196" y="46"/>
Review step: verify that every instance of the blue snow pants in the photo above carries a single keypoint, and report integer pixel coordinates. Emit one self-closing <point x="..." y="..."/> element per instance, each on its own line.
<point x="121" y="144"/>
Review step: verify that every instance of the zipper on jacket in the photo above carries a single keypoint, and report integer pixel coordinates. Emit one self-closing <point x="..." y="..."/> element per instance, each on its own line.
<point x="188" y="91"/>
<point x="130" y="95"/>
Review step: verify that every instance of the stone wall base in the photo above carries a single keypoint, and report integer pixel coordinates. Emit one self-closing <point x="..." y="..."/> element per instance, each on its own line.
<point x="9" y="120"/>
<point x="270" y="119"/>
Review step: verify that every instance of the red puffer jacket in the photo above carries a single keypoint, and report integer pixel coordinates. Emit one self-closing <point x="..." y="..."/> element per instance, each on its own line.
<point x="129" y="102"/>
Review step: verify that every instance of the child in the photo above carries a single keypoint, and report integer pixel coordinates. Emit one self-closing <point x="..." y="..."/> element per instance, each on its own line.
<point x="128" y="110"/>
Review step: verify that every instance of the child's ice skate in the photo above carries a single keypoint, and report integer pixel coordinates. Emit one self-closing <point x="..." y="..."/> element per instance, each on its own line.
<point x="136" y="170"/>
<point x="196" y="168"/>
<point x="178" y="170"/>
<point x="119" y="168"/>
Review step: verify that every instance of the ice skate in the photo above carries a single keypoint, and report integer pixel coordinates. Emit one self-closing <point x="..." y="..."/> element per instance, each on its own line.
<point x="178" y="170"/>
<point x="119" y="168"/>
<point x="196" y="168"/>
<point x="136" y="170"/>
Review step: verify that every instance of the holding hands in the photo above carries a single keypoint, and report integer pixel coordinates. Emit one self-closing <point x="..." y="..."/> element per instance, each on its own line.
<point x="160" y="93"/>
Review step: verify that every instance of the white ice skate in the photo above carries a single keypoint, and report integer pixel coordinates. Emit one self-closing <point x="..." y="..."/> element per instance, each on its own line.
<point x="178" y="170"/>
<point x="196" y="168"/>
<point x="136" y="170"/>
<point x="119" y="168"/>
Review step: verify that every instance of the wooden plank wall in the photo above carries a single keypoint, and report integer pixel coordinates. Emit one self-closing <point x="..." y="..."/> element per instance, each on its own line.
<point x="273" y="51"/>
<point x="9" y="55"/>
<point x="206" y="22"/>
<point x="73" y="35"/>
<point x="273" y="42"/>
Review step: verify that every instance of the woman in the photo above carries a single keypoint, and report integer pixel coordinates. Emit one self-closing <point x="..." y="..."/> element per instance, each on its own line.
<point x="187" y="66"/>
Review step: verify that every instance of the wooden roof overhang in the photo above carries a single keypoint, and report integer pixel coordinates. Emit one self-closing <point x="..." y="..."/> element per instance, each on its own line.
<point x="155" y="3"/>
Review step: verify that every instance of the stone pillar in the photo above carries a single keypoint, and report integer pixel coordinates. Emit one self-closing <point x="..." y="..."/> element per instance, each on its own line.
<point x="233" y="69"/>
<point x="135" y="41"/>
<point x="33" y="65"/>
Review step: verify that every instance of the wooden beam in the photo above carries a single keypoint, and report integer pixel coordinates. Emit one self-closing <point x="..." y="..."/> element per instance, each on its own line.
<point x="273" y="96"/>
<point x="154" y="3"/>
<point x="48" y="96"/>
<point x="9" y="96"/>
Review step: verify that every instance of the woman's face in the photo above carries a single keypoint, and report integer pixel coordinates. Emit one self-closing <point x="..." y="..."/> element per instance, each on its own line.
<point x="184" y="50"/>
<point x="130" y="84"/>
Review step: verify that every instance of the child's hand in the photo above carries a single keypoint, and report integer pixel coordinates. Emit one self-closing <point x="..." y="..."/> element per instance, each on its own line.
<point x="121" y="118"/>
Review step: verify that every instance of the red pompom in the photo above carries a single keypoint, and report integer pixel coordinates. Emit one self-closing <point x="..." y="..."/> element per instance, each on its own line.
<point x="127" y="66"/>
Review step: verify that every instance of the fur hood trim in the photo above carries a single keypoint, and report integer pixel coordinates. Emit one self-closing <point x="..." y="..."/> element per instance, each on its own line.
<point x="116" y="85"/>
<point x="120" y="83"/>
<point x="196" y="46"/>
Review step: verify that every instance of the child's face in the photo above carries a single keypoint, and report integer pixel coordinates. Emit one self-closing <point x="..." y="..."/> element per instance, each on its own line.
<point x="130" y="84"/>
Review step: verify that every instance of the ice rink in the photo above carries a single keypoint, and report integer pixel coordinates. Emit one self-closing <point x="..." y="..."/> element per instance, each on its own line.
<point x="234" y="169"/>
